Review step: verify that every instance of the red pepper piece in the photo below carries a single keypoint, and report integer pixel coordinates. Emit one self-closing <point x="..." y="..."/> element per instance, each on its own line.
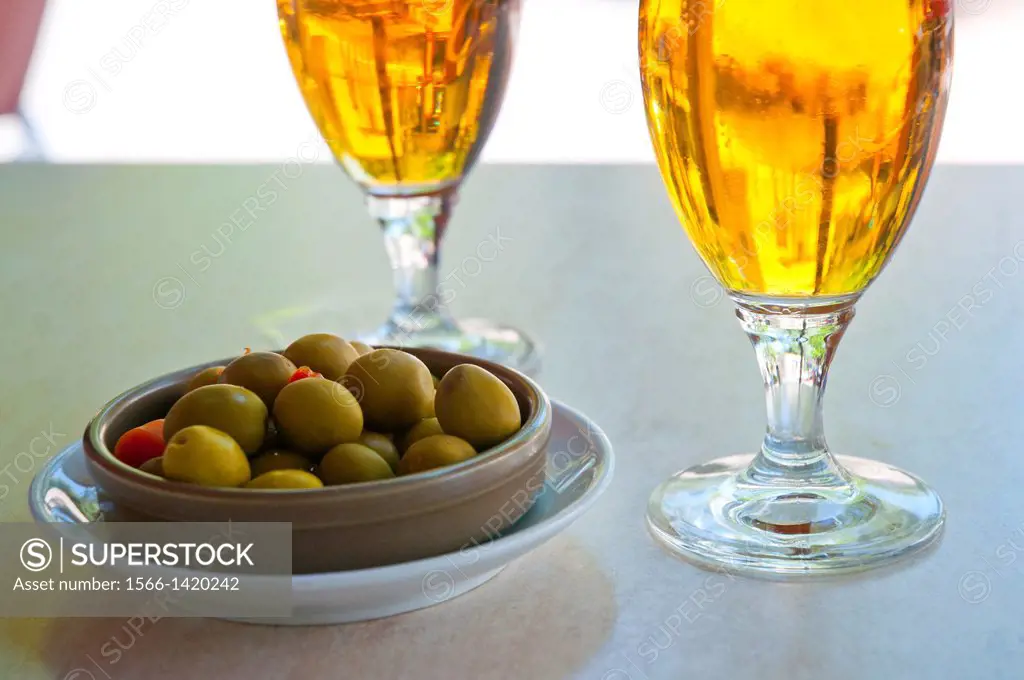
<point x="303" y="372"/>
<point x="139" y="444"/>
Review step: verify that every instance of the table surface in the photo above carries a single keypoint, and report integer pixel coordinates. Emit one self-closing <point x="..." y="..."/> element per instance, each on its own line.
<point x="101" y="287"/>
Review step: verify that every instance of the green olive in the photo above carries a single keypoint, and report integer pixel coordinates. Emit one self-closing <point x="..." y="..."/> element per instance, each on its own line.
<point x="231" y="409"/>
<point x="475" y="405"/>
<point x="427" y="427"/>
<point x="360" y="347"/>
<point x="394" y="389"/>
<point x="439" y="450"/>
<point x="315" y="414"/>
<point x="265" y="373"/>
<point x="207" y="376"/>
<point x="382" y="445"/>
<point x="324" y="353"/>
<point x="285" y="479"/>
<point x="279" y="459"/>
<point x="154" y="466"/>
<point x="205" y="456"/>
<point x="352" y="463"/>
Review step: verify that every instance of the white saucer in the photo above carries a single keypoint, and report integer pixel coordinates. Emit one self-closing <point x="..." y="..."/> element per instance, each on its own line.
<point x="580" y="466"/>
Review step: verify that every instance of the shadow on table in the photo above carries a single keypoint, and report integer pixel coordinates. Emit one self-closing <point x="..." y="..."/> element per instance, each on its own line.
<point x="545" y="616"/>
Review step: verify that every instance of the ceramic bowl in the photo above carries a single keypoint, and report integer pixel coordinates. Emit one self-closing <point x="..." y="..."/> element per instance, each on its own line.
<point x="355" y="526"/>
<point x="64" y="494"/>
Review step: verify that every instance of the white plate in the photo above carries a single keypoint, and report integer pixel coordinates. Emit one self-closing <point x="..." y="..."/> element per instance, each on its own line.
<point x="580" y="465"/>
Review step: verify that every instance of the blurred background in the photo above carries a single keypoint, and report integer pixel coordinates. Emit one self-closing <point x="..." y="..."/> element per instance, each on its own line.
<point x="158" y="81"/>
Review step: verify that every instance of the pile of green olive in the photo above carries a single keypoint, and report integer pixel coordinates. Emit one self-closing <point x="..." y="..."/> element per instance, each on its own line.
<point x="326" y="412"/>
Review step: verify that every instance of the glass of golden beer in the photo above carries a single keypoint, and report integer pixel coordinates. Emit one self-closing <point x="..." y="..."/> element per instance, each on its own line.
<point x="795" y="139"/>
<point x="405" y="93"/>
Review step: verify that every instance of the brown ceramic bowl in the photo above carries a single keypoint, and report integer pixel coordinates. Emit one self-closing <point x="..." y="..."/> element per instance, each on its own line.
<point x="342" y="527"/>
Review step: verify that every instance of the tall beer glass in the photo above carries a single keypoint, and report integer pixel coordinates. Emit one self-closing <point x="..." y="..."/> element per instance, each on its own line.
<point x="795" y="139"/>
<point x="405" y="93"/>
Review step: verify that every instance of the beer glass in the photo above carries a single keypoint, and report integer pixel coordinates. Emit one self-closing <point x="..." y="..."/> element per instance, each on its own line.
<point x="795" y="139"/>
<point x="405" y="94"/>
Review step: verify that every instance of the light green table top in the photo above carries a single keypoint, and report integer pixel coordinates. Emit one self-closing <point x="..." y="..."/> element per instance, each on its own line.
<point x="104" y="282"/>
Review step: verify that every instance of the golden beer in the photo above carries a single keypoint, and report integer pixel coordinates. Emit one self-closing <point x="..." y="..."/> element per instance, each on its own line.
<point x="404" y="92"/>
<point x="795" y="136"/>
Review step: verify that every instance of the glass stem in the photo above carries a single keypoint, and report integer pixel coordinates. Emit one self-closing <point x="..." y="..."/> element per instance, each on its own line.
<point x="413" y="227"/>
<point x="794" y="349"/>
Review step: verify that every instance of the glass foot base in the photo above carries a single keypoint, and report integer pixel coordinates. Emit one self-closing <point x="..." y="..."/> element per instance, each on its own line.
<point x="476" y="337"/>
<point x="710" y="516"/>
